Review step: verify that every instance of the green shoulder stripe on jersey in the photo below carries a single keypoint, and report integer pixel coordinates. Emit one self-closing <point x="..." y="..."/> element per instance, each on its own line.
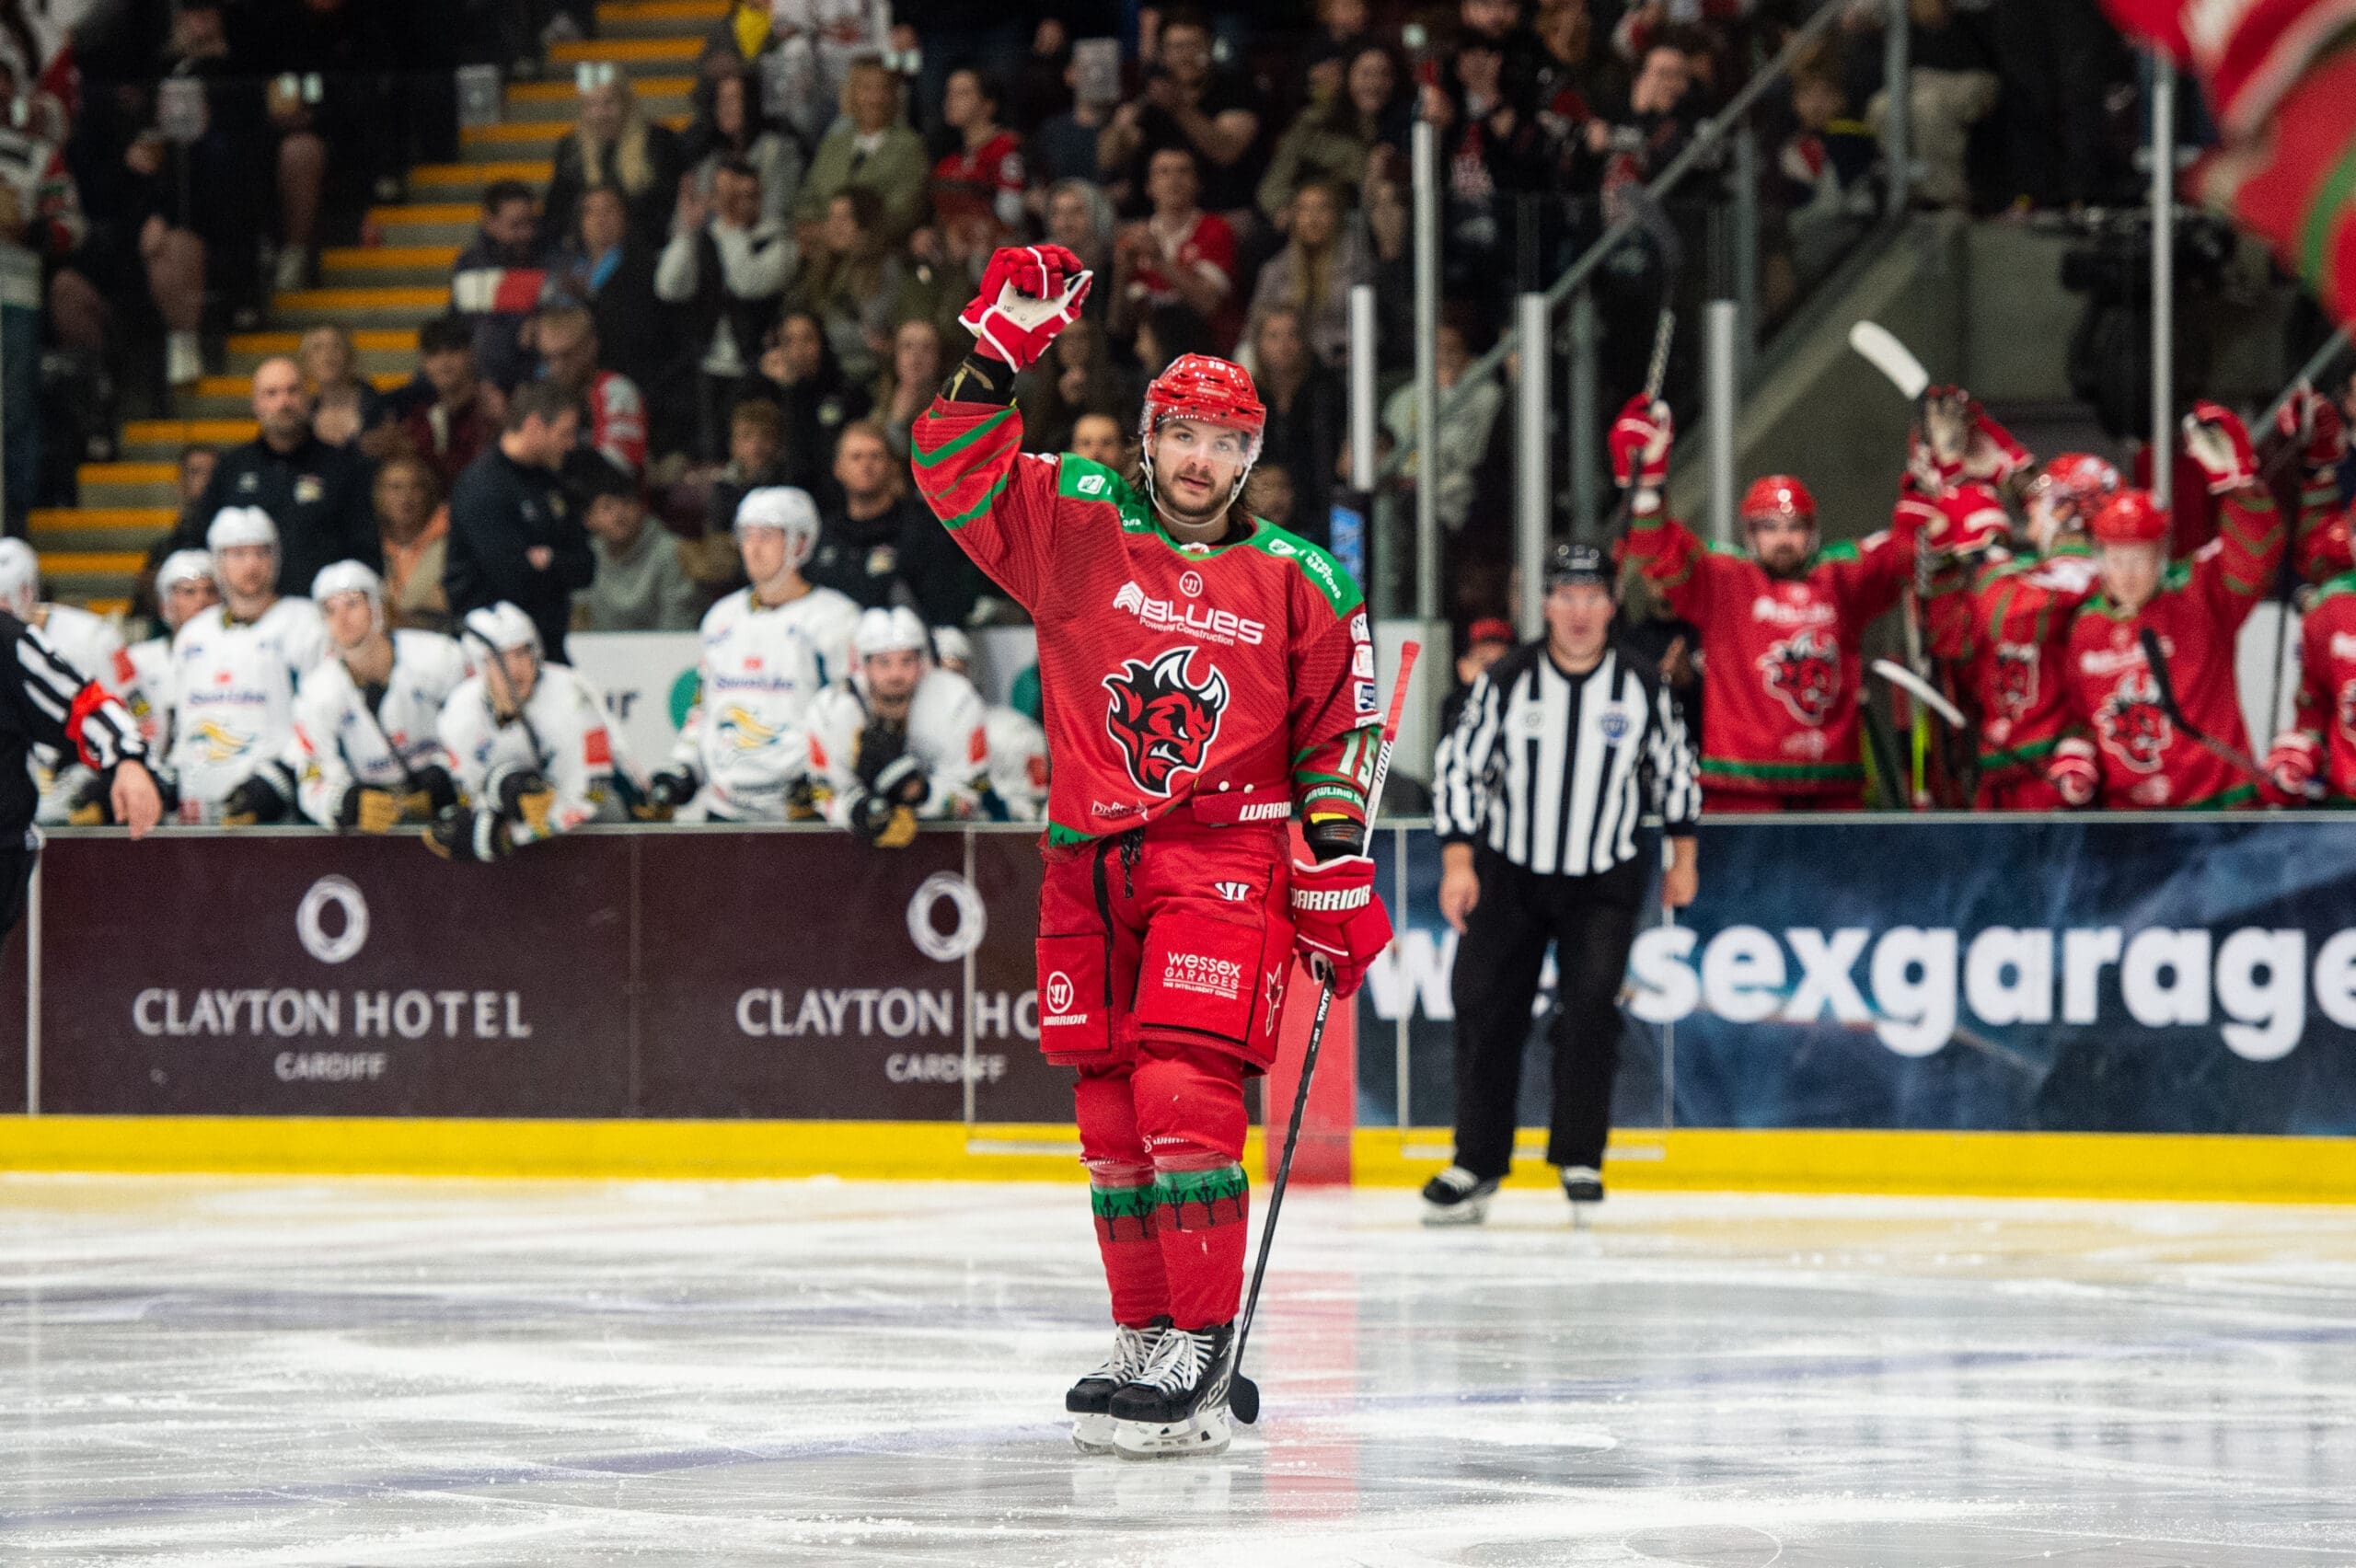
<point x="955" y="444"/>
<point x="982" y="505"/>
<point x="2343" y="583"/>
<point x="1058" y="833"/>
<point x="1839" y="549"/>
<point x="1317" y="565"/>
<point x="2177" y="575"/>
<point x="1732" y="552"/>
<point x="1077" y="479"/>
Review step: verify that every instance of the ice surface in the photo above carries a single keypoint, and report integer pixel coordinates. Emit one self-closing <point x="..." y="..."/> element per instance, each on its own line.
<point x="247" y="1372"/>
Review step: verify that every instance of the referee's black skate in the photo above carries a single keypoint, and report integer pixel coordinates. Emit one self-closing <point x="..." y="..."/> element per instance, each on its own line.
<point x="1177" y="1405"/>
<point x="1583" y="1184"/>
<point x="1456" y="1196"/>
<point x="1091" y="1399"/>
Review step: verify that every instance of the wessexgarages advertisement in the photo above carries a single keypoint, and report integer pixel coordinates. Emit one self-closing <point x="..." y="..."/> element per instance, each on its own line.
<point x="2094" y="974"/>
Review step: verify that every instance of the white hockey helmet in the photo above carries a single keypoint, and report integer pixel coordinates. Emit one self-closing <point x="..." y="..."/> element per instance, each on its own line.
<point x="235" y="525"/>
<point x="19" y="578"/>
<point x="501" y="626"/>
<point x="786" y="509"/>
<point x="949" y="642"/>
<point x="350" y="577"/>
<point x="897" y="630"/>
<point x="182" y="566"/>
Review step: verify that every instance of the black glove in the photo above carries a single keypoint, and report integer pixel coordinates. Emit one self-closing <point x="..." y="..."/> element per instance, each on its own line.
<point x="882" y="822"/>
<point x="525" y="796"/>
<point x="881" y="744"/>
<point x="460" y="833"/>
<point x="253" y="802"/>
<point x="671" y="787"/>
<point x="435" y="782"/>
<point x="93" y="803"/>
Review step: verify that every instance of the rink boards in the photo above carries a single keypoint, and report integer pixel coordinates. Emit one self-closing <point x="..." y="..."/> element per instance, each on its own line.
<point x="2152" y="1006"/>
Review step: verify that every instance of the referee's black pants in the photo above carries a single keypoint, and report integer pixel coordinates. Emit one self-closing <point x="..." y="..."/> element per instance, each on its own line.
<point x="16" y="875"/>
<point x="1591" y="920"/>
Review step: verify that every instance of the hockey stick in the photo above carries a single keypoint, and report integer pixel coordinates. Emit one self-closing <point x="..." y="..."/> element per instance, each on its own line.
<point x="1243" y="1394"/>
<point x="1923" y="691"/>
<point x="1655" y="373"/>
<point x="2231" y="755"/>
<point x="1879" y="347"/>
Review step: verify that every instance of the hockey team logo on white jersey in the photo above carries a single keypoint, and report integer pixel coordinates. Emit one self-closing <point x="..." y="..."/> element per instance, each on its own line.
<point x="1164" y="720"/>
<point x="742" y="731"/>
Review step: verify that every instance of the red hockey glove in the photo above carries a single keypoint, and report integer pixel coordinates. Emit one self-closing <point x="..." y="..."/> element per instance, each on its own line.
<point x="2313" y="422"/>
<point x="2249" y="54"/>
<point x="2218" y="441"/>
<point x="1640" y="441"/>
<point x="1338" y="922"/>
<point x="1029" y="293"/>
<point x="1994" y="455"/>
<point x="2290" y="767"/>
<point x="2075" y="772"/>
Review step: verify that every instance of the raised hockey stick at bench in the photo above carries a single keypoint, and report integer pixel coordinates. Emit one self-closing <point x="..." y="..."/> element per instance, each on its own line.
<point x="1243" y="1394"/>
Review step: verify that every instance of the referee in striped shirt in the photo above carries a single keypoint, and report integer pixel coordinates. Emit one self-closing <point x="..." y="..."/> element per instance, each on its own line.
<point x="1562" y="746"/>
<point x="46" y="702"/>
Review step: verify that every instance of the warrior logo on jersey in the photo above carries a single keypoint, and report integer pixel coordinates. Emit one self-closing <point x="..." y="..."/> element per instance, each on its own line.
<point x="2016" y="678"/>
<point x="1164" y="720"/>
<point x="2134" y="727"/>
<point x="1803" y="673"/>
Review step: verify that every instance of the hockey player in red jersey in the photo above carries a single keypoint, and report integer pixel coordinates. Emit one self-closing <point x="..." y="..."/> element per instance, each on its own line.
<point x="2122" y="751"/>
<point x="1205" y="677"/>
<point x="2322" y="740"/>
<point x="2003" y="619"/>
<point x="1781" y="626"/>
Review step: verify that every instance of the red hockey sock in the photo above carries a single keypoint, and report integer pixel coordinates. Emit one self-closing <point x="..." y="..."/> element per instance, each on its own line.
<point x="1123" y="1195"/>
<point x="1190" y="1109"/>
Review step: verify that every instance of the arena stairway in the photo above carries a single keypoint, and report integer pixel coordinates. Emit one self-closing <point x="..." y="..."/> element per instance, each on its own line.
<point x="380" y="290"/>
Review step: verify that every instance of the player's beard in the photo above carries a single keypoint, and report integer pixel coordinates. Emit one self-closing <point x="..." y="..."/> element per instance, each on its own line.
<point x="1206" y="519"/>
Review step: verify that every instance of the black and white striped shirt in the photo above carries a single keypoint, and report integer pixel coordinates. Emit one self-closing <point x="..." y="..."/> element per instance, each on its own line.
<point x="1553" y="772"/>
<point x="46" y="702"/>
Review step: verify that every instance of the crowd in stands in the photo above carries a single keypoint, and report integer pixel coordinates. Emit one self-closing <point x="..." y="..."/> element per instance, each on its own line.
<point x="765" y="296"/>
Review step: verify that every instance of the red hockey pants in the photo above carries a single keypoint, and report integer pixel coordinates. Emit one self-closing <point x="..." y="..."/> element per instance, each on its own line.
<point x="1163" y="957"/>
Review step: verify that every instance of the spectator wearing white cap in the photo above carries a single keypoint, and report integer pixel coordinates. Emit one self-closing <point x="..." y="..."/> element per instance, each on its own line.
<point x="235" y="671"/>
<point x="768" y="650"/>
<point x="368" y="743"/>
<point x="529" y="742"/>
<point x="1018" y="746"/>
<point x="184" y="588"/>
<point x="900" y="741"/>
<point x="87" y="642"/>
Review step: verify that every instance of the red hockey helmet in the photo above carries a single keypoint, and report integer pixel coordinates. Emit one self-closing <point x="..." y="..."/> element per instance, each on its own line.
<point x="2076" y="480"/>
<point x="1970" y="518"/>
<point x="1197" y="386"/>
<point x="2131" y="517"/>
<point x="1779" y="495"/>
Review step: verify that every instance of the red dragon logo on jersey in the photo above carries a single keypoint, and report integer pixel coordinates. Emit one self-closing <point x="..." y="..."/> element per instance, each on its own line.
<point x="1803" y="673"/>
<point x="2016" y="678"/>
<point x="2133" y="725"/>
<point x="1163" y="721"/>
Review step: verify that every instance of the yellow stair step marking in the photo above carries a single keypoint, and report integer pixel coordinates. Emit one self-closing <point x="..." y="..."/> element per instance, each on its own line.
<point x="546" y="131"/>
<point x="532" y="171"/>
<point x="550" y="92"/>
<point x="425" y="212"/>
<point x="611" y="12"/>
<point x="397" y="340"/>
<point x="128" y="473"/>
<point x="593" y="49"/>
<point x="142" y="432"/>
<point x="242" y="386"/>
<point x="92" y="563"/>
<point x="52" y="517"/>
<point x="107" y="606"/>
<point x="388" y="298"/>
<point x="363" y="258"/>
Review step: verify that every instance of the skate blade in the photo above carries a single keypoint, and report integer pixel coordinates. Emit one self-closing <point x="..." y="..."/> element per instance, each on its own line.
<point x="1471" y="1211"/>
<point x="1092" y="1434"/>
<point x="1201" y="1436"/>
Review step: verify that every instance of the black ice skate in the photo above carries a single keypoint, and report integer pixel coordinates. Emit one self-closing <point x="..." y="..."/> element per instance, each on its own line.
<point x="1456" y="1196"/>
<point x="1091" y="1399"/>
<point x="1583" y="1184"/>
<point x="1177" y="1406"/>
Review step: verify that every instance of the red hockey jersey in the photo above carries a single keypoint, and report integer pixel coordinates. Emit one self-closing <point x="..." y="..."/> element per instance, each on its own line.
<point x="2201" y="605"/>
<point x="1231" y="679"/>
<point x="2327" y="682"/>
<point x="2005" y="631"/>
<point x="1779" y="708"/>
